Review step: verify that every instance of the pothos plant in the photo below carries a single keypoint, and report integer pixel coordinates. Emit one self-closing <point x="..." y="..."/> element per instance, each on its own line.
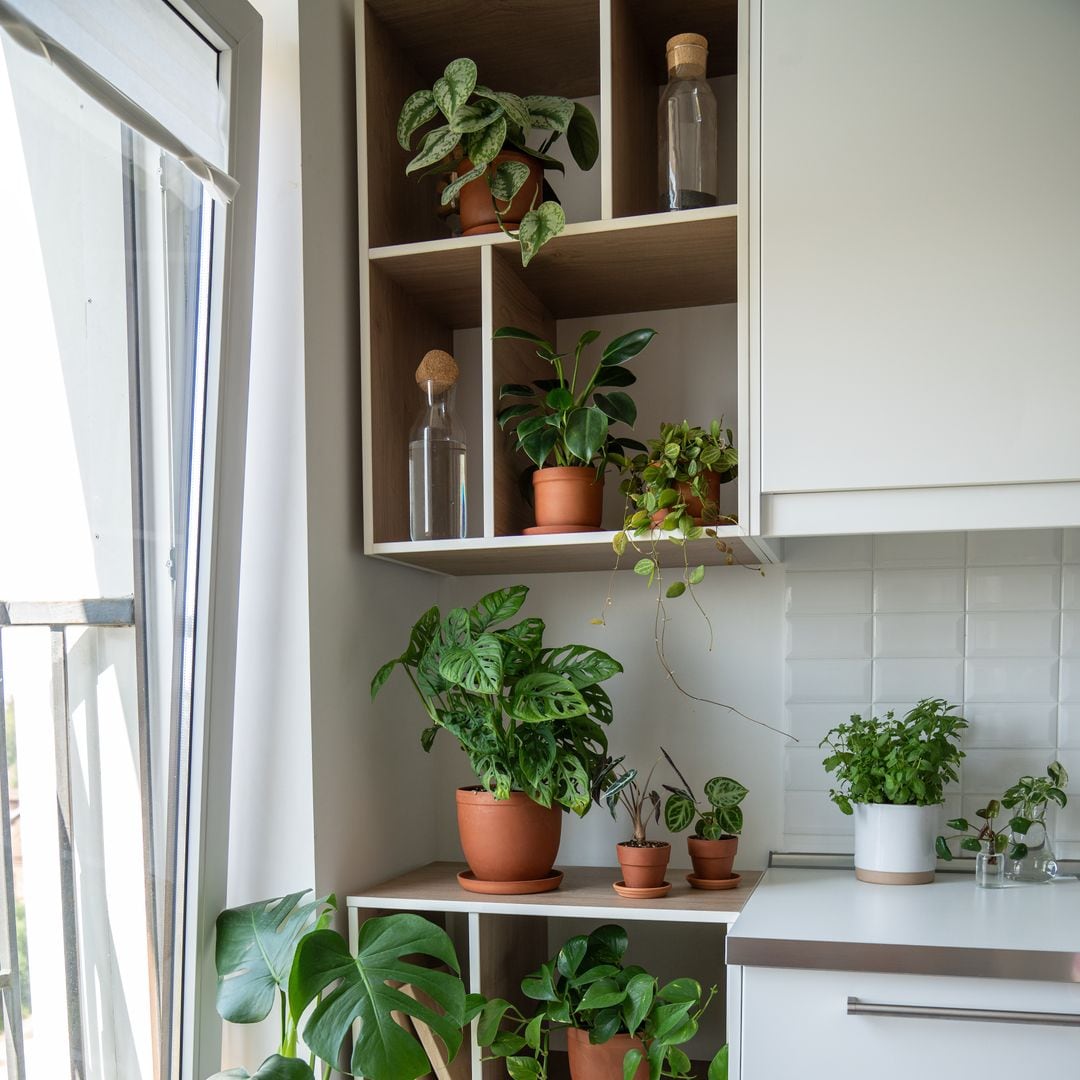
<point x="566" y="420"/>
<point x="477" y="123"/>
<point x="1030" y="796"/>
<point x="587" y="986"/>
<point x="282" y="951"/>
<point x="616" y="786"/>
<point x="722" y="816"/>
<point x="529" y="718"/>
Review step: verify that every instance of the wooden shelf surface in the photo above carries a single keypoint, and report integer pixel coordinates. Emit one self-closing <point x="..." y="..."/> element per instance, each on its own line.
<point x="586" y="892"/>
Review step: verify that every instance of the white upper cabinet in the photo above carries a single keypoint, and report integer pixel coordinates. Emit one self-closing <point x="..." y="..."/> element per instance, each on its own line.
<point x="915" y="247"/>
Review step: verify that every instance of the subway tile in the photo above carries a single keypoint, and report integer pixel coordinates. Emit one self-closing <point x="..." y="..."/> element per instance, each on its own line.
<point x="1070" y="592"/>
<point x="1019" y="680"/>
<point x="1010" y="726"/>
<point x="809" y="723"/>
<point x="1069" y="726"/>
<point x="1065" y="826"/>
<point x="913" y="680"/>
<point x="828" y="680"/>
<point x="1071" y="546"/>
<point x="1065" y="849"/>
<point x="976" y="800"/>
<point x="824" y="592"/>
<point x="1070" y="680"/>
<point x="1014" y="547"/>
<point x="1070" y="633"/>
<point x="919" y="590"/>
<point x="803" y="771"/>
<point x="1013" y="633"/>
<point x="1071" y="760"/>
<point x="1014" y="588"/>
<point x="939" y="634"/>
<point x="812" y="813"/>
<point x="828" y="636"/>
<point x="926" y="550"/>
<point x="829" y="553"/>
<point x="996" y="770"/>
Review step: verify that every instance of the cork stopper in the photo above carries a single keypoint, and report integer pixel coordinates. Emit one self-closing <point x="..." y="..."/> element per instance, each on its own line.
<point x="687" y="54"/>
<point x="438" y="368"/>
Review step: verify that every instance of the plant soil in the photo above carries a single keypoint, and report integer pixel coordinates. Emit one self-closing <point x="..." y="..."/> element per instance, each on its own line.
<point x="643" y="843"/>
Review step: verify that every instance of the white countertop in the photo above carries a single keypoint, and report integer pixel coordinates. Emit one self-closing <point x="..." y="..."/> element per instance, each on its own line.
<point x="827" y="919"/>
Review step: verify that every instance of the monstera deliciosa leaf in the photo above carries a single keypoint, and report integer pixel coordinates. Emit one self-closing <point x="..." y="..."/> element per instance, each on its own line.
<point x="256" y="944"/>
<point x="275" y="1067"/>
<point x="360" y="988"/>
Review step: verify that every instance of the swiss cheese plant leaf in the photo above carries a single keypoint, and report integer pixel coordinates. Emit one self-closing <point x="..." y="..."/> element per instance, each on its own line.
<point x="475" y="667"/>
<point x="359" y="988"/>
<point x="274" y="1067"/>
<point x="626" y="347"/>
<point x="679" y="812"/>
<point x="452" y="190"/>
<point x="583" y="138"/>
<point x="453" y="88"/>
<point x="586" y="429"/>
<point x="507" y="179"/>
<point x="722" y="791"/>
<point x="496" y="607"/>
<point x="254" y="953"/>
<point x="512" y="105"/>
<point x="538" y="227"/>
<point x="436" y="145"/>
<point x="548" y="112"/>
<point x="618" y="406"/>
<point x="417" y="111"/>
<point x="581" y="664"/>
<point x="542" y="696"/>
<point x="536" y="754"/>
<point x="424" y="631"/>
<point x="483" y="145"/>
<point x="521" y="644"/>
<point x="572" y="784"/>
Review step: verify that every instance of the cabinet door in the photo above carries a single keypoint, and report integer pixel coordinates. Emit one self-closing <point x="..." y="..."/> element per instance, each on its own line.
<point x="796" y="1024"/>
<point x="919" y="242"/>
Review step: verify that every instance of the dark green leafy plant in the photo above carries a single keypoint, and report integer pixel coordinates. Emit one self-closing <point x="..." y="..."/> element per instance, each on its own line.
<point x="530" y="718"/>
<point x="904" y="762"/>
<point x="282" y="950"/>
<point x="616" y="787"/>
<point x="976" y="838"/>
<point x="587" y="986"/>
<point x="477" y="123"/>
<point x="557" y="424"/>
<point x="1031" y="796"/>
<point x="723" y="817"/>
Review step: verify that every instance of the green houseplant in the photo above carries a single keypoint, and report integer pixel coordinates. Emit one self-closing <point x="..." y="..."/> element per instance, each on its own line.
<point x="282" y="951"/>
<point x="482" y="137"/>
<point x="620" y="1020"/>
<point x="985" y="841"/>
<point x="531" y="720"/>
<point x="563" y="425"/>
<point x="1031" y="857"/>
<point x="891" y="774"/>
<point x="716" y="827"/>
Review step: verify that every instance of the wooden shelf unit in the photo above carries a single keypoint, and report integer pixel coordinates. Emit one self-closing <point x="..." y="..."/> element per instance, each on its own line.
<point x="419" y="286"/>
<point x="500" y="939"/>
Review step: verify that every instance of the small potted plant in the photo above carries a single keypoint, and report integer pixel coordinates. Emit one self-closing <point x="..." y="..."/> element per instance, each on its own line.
<point x="644" y="862"/>
<point x="1032" y="857"/>
<point x="620" y="1021"/>
<point x="985" y="841"/>
<point x="481" y="140"/>
<point x="563" y="426"/>
<point x="716" y="833"/>
<point x="891" y="774"/>
<point x="531" y="720"/>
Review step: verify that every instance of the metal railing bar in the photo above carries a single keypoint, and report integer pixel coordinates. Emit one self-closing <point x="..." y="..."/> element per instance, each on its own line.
<point x="96" y="612"/>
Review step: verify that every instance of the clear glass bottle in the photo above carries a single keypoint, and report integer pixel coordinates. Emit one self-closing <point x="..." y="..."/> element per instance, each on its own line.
<point x="1039" y="864"/>
<point x="437" y="505"/>
<point x="689" y="166"/>
<point x="989" y="867"/>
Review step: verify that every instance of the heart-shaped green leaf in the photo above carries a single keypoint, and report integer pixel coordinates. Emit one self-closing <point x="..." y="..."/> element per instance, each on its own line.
<point x="679" y="811"/>
<point x="418" y="109"/>
<point x="583" y="138"/>
<point x="507" y="179"/>
<point x="483" y="145"/>
<point x="452" y="90"/>
<point x="436" y="145"/>
<point x="722" y="791"/>
<point x="548" y="112"/>
<point x="538" y="227"/>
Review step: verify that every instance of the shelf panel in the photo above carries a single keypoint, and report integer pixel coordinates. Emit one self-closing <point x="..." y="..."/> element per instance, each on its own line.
<point x="446" y="282"/>
<point x="717" y="20"/>
<point x="586" y="893"/>
<point x="565" y="552"/>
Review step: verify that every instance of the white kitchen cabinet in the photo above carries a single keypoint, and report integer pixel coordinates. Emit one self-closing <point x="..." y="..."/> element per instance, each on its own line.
<point x="915" y="244"/>
<point x="797" y="1024"/>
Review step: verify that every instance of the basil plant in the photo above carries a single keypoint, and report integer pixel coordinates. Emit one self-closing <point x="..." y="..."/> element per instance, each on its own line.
<point x="530" y="718"/>
<point x="479" y="123"/>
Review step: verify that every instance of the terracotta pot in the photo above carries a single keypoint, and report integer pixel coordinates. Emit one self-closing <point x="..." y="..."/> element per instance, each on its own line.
<point x="568" y="495"/>
<point x="712" y="859"/>
<point x="709" y="512"/>
<point x="474" y="199"/>
<point x="511" y="839"/>
<point x="603" y="1061"/>
<point x="643" y="867"/>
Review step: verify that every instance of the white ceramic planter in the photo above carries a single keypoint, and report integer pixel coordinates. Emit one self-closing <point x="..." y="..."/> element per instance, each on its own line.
<point x="894" y="845"/>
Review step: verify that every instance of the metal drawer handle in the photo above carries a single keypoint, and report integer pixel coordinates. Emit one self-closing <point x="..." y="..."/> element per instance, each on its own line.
<point x="855" y="1007"/>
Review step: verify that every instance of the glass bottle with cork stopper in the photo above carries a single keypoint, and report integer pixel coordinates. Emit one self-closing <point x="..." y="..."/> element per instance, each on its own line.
<point x="687" y="126"/>
<point x="437" y="455"/>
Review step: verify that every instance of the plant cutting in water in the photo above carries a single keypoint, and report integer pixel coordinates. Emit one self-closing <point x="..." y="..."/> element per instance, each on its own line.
<point x="1031" y="796"/>
<point x="974" y="837"/>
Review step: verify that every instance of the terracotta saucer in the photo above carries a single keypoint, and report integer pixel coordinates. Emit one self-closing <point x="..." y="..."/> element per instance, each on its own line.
<point x="714" y="883"/>
<point x="549" y="530"/>
<point x="468" y="880"/>
<point x="642" y="894"/>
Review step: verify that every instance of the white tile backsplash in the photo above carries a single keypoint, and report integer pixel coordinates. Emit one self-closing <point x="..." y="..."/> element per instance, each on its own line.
<point x="988" y="620"/>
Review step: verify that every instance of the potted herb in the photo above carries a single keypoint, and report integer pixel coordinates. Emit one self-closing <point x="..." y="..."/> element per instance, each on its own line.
<point x="891" y="775"/>
<point x="481" y="137"/>
<point x="563" y="426"/>
<point x="281" y="951"/>
<point x="716" y="833"/>
<point x="619" y="1020"/>
<point x="644" y="862"/>
<point x="1031" y="857"/>
<point x="531" y="720"/>
<point x="988" y="844"/>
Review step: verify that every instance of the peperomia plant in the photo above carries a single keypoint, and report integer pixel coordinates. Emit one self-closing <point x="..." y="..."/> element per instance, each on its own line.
<point x="905" y="762"/>
<point x="477" y="123"/>
<point x="281" y="950"/>
<point x="530" y="718"/>
<point x="723" y="817"/>
<point x="560" y="425"/>
<point x="587" y="986"/>
<point x="976" y="838"/>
